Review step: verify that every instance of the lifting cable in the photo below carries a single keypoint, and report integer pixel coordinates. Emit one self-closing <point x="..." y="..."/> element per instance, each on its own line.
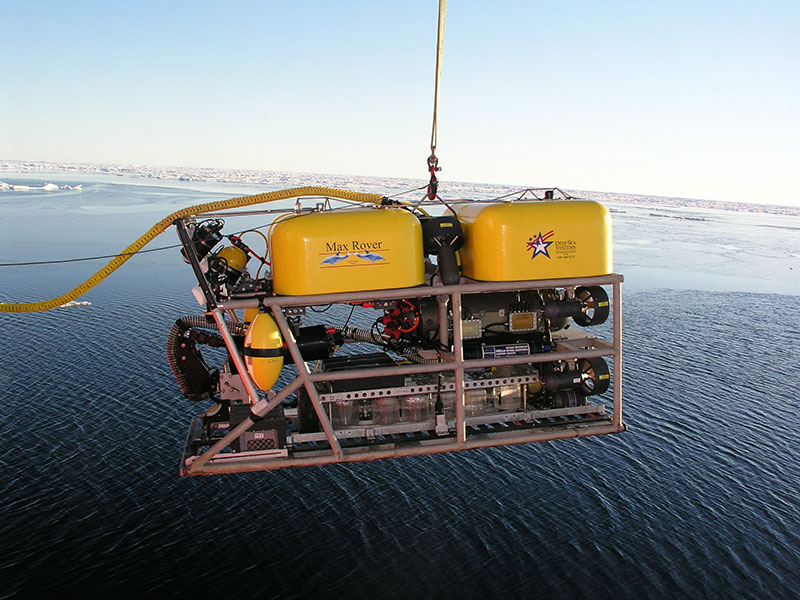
<point x="161" y="226"/>
<point x="433" y="161"/>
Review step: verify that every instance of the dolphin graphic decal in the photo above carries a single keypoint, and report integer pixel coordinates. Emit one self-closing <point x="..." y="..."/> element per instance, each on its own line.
<point x="338" y="257"/>
<point x="370" y="256"/>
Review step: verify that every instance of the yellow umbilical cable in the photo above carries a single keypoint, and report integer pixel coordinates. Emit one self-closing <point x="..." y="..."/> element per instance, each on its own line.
<point x="166" y="222"/>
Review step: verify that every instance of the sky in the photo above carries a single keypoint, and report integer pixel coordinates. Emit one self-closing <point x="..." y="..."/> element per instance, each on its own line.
<point x="691" y="99"/>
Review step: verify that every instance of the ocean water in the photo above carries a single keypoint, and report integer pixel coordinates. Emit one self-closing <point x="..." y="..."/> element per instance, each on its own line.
<point x="698" y="500"/>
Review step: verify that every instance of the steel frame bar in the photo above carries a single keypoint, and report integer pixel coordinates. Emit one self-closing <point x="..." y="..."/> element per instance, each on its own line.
<point x="304" y="375"/>
<point x="195" y="465"/>
<point x="528" y="416"/>
<point x="469" y="287"/>
<point x="617" y="354"/>
<point x="458" y="354"/>
<point x="204" y="464"/>
<point x="194" y="262"/>
<point x="519" y="195"/>
<point x="245" y="464"/>
<point x="426" y="388"/>
<point x="252" y="391"/>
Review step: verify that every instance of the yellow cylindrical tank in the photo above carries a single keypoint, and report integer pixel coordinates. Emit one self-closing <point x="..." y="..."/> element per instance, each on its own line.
<point x="263" y="351"/>
<point x="520" y="241"/>
<point x="347" y="251"/>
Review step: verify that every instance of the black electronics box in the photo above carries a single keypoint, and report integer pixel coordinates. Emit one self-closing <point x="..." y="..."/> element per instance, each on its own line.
<point x="267" y="434"/>
<point x="362" y="361"/>
<point x="308" y="418"/>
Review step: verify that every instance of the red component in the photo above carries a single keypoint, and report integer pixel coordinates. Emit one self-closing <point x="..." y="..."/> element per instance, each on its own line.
<point x="237" y="241"/>
<point x="403" y="318"/>
<point x="390" y="327"/>
<point x="433" y="186"/>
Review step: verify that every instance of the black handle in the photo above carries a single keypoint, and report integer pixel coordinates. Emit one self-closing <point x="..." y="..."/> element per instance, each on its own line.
<point x="448" y="267"/>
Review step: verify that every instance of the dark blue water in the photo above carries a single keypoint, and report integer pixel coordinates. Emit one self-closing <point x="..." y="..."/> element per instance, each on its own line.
<point x="697" y="500"/>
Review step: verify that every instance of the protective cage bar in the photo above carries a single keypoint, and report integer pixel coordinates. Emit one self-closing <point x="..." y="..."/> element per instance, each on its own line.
<point x="376" y="442"/>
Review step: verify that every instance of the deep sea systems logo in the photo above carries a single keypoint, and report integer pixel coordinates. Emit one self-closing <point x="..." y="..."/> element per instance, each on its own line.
<point x="539" y="244"/>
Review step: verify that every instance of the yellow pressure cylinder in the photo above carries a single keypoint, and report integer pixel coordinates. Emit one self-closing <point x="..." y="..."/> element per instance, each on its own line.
<point x="250" y="314"/>
<point x="234" y="257"/>
<point x="263" y="351"/>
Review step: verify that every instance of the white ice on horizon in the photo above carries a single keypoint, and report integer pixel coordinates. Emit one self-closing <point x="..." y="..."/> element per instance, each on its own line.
<point x="47" y="187"/>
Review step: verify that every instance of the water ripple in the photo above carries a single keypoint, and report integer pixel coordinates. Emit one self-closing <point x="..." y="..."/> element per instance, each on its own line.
<point x="697" y="500"/>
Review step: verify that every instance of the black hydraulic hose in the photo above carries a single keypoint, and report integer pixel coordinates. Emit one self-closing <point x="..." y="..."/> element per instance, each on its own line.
<point x="187" y="364"/>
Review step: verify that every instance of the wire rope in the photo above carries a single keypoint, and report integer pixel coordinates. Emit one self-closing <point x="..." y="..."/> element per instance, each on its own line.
<point x="439" y="46"/>
<point x="84" y="258"/>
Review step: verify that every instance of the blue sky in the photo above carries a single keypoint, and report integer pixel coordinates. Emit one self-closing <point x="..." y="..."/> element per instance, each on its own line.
<point x="691" y="99"/>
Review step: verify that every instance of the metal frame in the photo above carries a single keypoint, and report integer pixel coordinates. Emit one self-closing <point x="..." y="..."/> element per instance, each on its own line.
<point x="213" y="461"/>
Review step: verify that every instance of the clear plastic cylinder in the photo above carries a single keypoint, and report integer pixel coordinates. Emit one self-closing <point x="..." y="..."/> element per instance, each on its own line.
<point x="386" y="410"/>
<point x="416" y="408"/>
<point x="474" y="402"/>
<point x="508" y="397"/>
<point x="344" y="413"/>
